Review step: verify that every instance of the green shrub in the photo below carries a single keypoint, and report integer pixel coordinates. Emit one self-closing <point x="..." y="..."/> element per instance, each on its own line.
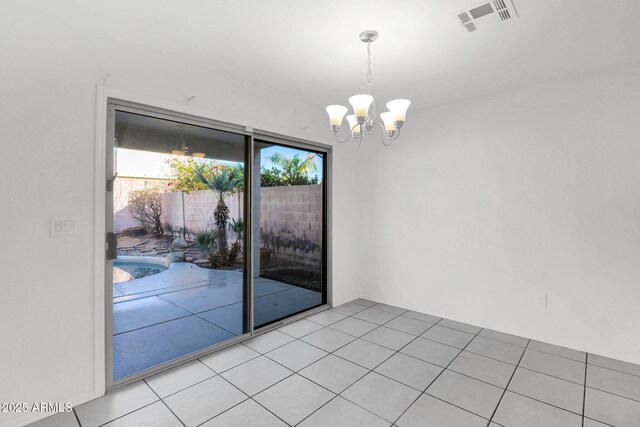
<point x="206" y="239"/>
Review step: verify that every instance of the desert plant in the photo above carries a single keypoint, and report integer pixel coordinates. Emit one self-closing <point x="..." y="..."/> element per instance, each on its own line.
<point x="221" y="218"/>
<point x="237" y="226"/>
<point x="215" y="259"/>
<point x="234" y="252"/>
<point x="206" y="239"/>
<point x="224" y="181"/>
<point x="146" y="207"/>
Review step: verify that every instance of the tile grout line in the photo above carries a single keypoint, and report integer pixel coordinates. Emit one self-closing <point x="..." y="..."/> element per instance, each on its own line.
<point x="368" y="369"/>
<point x="436" y="378"/>
<point x="328" y="353"/>
<point x="244" y="400"/>
<point x="510" y="379"/>
<point x="226" y="410"/>
<point x="549" y="375"/>
<point x="545" y="403"/>
<point x="615" y="370"/>
<point x="454" y="405"/>
<point x="395" y="352"/>
<point x="164" y="403"/>
<point x="554" y="354"/>
<point x="128" y="413"/>
<point x="584" y="395"/>
<point x="287" y="377"/>
<point x="75" y="413"/>
<point x="510" y="364"/>
<point x="215" y="374"/>
<point x="219" y="374"/>
<point x="360" y="337"/>
<point x="614" y="394"/>
<point x="494" y="385"/>
<point x="336" y="395"/>
<point x="293" y="372"/>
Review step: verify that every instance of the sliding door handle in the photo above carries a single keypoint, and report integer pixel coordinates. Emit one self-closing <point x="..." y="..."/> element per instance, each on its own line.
<point x="112" y="246"/>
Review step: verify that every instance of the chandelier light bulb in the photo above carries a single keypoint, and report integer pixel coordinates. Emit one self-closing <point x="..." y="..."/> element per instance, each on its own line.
<point x="353" y="124"/>
<point x="360" y="104"/>
<point x="398" y="108"/>
<point x="336" y="113"/>
<point x="389" y="124"/>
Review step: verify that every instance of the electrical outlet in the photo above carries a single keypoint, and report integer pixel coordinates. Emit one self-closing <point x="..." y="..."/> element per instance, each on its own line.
<point x="541" y="300"/>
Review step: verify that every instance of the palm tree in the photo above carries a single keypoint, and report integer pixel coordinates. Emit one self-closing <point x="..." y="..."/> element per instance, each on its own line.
<point x="223" y="183"/>
<point x="295" y="170"/>
<point x="237" y="225"/>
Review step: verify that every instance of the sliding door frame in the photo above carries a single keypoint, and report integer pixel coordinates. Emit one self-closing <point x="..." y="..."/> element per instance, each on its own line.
<point x="105" y="170"/>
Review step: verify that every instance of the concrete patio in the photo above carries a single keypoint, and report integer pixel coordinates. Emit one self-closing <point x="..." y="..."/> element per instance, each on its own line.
<point x="186" y="308"/>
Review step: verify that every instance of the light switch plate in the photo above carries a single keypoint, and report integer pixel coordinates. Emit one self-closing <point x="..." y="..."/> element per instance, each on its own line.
<point x="62" y="226"/>
<point x="542" y="300"/>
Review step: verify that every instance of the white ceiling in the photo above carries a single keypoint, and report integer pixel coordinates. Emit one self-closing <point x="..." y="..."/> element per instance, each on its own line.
<point x="310" y="48"/>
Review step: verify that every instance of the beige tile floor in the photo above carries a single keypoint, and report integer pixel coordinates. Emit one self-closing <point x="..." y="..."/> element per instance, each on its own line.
<point x="369" y="364"/>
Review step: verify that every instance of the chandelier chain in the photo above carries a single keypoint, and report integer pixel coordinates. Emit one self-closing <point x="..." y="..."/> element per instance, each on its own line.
<point x="367" y="83"/>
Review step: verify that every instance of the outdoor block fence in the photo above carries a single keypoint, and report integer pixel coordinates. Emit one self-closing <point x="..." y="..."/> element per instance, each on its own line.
<point x="290" y="217"/>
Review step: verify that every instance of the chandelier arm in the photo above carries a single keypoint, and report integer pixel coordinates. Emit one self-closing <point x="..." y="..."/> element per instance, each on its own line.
<point x="342" y="141"/>
<point x="386" y="140"/>
<point x="396" y="136"/>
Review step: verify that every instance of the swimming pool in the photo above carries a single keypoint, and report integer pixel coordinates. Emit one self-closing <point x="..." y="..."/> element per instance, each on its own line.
<point x="139" y="269"/>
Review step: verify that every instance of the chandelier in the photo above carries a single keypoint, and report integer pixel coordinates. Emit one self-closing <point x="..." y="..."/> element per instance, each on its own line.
<point x="363" y="119"/>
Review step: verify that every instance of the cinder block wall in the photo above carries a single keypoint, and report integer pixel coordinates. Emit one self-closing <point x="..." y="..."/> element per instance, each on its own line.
<point x="198" y="209"/>
<point x="290" y="218"/>
<point x="293" y="214"/>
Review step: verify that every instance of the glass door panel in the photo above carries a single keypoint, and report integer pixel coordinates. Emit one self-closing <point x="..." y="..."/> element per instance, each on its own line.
<point x="289" y="231"/>
<point x="179" y="282"/>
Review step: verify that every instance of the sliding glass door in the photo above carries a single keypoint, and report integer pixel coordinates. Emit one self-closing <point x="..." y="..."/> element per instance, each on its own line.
<point x="179" y="277"/>
<point x="289" y="222"/>
<point x="213" y="235"/>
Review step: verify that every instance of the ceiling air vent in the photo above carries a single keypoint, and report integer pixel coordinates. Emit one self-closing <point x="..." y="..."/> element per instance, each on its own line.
<point x="483" y="16"/>
<point x="480" y="11"/>
<point x="499" y="4"/>
<point x="471" y="27"/>
<point x="504" y="14"/>
<point x="464" y="18"/>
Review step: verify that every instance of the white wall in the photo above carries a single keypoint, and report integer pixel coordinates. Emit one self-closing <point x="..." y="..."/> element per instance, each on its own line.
<point x="49" y="74"/>
<point x="486" y="203"/>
